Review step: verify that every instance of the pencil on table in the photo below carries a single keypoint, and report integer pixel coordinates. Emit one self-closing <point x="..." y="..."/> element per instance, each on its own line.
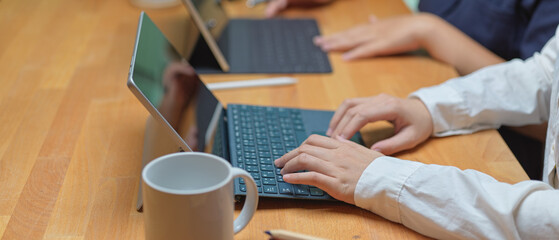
<point x="288" y="235"/>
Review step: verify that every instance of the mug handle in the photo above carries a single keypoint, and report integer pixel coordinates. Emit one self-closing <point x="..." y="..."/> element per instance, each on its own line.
<point x="251" y="201"/>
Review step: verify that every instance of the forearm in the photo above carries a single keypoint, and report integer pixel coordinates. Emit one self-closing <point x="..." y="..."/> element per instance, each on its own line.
<point x="514" y="93"/>
<point x="448" y="44"/>
<point x="448" y="203"/>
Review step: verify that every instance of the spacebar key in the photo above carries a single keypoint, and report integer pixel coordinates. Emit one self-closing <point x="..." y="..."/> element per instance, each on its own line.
<point x="285" y="188"/>
<point x="301" y="189"/>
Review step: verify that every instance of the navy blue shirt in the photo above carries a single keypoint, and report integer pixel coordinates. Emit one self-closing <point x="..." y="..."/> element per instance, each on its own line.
<point x="509" y="28"/>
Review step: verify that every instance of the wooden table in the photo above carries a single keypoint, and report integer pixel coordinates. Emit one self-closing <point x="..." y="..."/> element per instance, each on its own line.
<point x="71" y="132"/>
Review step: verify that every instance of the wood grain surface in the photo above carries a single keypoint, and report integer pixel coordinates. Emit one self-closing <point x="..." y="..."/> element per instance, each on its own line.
<point x="71" y="132"/>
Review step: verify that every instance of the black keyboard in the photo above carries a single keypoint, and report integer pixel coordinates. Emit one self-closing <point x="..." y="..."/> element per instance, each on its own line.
<point x="258" y="136"/>
<point x="287" y="45"/>
<point x="273" y="46"/>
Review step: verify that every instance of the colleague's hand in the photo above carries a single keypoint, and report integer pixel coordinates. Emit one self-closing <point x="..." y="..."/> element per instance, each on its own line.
<point x="412" y="121"/>
<point x="333" y="165"/>
<point x="276" y="6"/>
<point x="378" y="37"/>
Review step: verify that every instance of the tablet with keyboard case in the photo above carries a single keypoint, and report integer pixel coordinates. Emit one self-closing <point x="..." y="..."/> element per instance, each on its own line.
<point x="248" y="136"/>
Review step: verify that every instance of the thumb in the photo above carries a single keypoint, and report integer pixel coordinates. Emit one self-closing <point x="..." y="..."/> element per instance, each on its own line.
<point x="403" y="140"/>
<point x="365" y="50"/>
<point x="274" y="7"/>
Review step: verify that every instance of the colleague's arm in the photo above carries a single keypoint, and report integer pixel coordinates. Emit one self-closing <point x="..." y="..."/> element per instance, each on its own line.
<point x="407" y="33"/>
<point x="514" y="93"/>
<point x="276" y="6"/>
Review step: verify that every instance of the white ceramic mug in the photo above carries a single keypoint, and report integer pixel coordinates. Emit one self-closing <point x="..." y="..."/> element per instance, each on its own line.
<point x="189" y="195"/>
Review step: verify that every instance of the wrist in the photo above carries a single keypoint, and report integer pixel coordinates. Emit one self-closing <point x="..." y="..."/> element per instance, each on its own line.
<point x="423" y="113"/>
<point x="426" y="26"/>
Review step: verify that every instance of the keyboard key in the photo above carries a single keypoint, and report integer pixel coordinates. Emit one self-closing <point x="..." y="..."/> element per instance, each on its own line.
<point x="263" y="142"/>
<point x="263" y="148"/>
<point x="285" y="188"/>
<point x="301" y="189"/>
<point x="251" y="168"/>
<point x="250" y="149"/>
<point x="248" y="136"/>
<point x="274" y="134"/>
<point x="279" y="178"/>
<point x="247" y="143"/>
<point x="316" y="191"/>
<point x="255" y="175"/>
<point x="266" y="161"/>
<point x="277" y="146"/>
<point x="243" y="188"/>
<point x="278" y="152"/>
<point x="250" y="154"/>
<point x="290" y="144"/>
<point x="264" y="154"/>
<point x="288" y="131"/>
<point x="269" y="181"/>
<point x="251" y="161"/>
<point x="270" y="189"/>
<point x="268" y="174"/>
<point x="266" y="167"/>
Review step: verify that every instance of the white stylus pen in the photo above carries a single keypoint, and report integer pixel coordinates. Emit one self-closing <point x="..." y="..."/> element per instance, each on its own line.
<point x="252" y="3"/>
<point x="252" y="83"/>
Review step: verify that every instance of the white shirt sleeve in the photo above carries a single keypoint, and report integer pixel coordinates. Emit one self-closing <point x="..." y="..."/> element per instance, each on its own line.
<point x="513" y="93"/>
<point x="447" y="203"/>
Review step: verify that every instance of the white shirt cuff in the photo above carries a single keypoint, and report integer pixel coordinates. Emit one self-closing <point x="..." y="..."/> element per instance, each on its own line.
<point x="443" y="101"/>
<point x="378" y="188"/>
